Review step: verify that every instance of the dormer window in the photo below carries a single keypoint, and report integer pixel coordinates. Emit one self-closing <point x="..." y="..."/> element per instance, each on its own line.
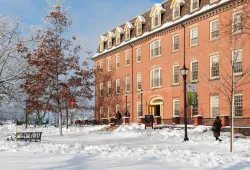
<point x="127" y="37"/>
<point x="110" y="37"/>
<point x="194" y="5"/>
<point x="138" y="23"/>
<point x="102" y="40"/>
<point x="109" y="42"/>
<point x="156" y="15"/>
<point x="101" y="46"/>
<point x="127" y="30"/>
<point x="118" y="33"/>
<point x="176" y="11"/>
<point x="139" y="29"/>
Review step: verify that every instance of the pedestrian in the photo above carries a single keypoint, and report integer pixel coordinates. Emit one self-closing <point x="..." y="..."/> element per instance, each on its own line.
<point x="118" y="117"/>
<point x="216" y="128"/>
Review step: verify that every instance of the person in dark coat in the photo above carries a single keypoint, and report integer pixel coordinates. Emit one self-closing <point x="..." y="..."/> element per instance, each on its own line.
<point x="118" y="117"/>
<point x="126" y="114"/>
<point x="217" y="127"/>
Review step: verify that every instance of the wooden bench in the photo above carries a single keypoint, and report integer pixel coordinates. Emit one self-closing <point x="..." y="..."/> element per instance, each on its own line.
<point x="26" y="136"/>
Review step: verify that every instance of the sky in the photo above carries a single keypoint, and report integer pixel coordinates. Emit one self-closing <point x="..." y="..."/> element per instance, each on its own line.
<point x="91" y="18"/>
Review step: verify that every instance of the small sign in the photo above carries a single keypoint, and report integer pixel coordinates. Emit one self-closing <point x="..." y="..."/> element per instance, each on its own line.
<point x="192" y="99"/>
<point x="149" y="120"/>
<point x="191" y="88"/>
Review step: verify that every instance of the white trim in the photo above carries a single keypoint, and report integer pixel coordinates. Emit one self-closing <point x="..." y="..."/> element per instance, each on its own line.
<point x="117" y="107"/>
<point x="109" y="64"/>
<point x="101" y="67"/>
<point x="235" y="13"/>
<point x="241" y="105"/>
<point x="241" y="57"/>
<point x="173" y="14"/>
<point x="158" y="76"/>
<point x="211" y="64"/>
<point x="211" y="29"/>
<point x="214" y="100"/>
<point x="152" y="47"/>
<point x="137" y="109"/>
<point x="117" y="81"/>
<point x="109" y="87"/>
<point x="177" y="83"/>
<point x="191" y="36"/>
<point x="137" y="50"/>
<point x="173" y="111"/>
<point x="127" y="58"/>
<point x="191" y="77"/>
<point x="127" y="84"/>
<point x="156" y="11"/>
<point x="173" y="42"/>
<point x="117" y="60"/>
<point x="198" y="6"/>
<point x="138" y="77"/>
<point x="109" y="112"/>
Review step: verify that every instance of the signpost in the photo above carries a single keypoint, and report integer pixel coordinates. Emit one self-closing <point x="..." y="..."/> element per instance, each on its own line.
<point x="192" y="95"/>
<point x="149" y="120"/>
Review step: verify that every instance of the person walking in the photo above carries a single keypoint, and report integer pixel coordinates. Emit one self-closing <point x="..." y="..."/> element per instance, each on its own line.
<point x="118" y="117"/>
<point x="216" y="128"/>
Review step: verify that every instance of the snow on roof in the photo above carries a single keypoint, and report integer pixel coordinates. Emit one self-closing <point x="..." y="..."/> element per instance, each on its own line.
<point x="181" y="1"/>
<point x="159" y="7"/>
<point x="120" y="30"/>
<point x="129" y="25"/>
<point x="111" y="34"/>
<point x="141" y="19"/>
<point x="103" y="38"/>
<point x="164" y="26"/>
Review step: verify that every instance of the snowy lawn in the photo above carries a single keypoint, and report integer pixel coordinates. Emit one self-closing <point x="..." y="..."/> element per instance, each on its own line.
<point x="128" y="147"/>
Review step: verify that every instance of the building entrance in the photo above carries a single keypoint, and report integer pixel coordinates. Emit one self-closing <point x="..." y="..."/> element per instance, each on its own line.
<point x="156" y="107"/>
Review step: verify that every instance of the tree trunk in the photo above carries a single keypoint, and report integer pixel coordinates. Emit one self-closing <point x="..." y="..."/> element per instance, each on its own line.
<point x="60" y="124"/>
<point x="67" y="118"/>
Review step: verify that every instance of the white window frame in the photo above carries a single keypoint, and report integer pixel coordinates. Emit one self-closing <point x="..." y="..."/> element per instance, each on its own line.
<point x="214" y="105"/>
<point x="236" y="95"/>
<point x="127" y="84"/>
<point x="177" y="6"/>
<point x="176" y="74"/>
<point x="212" y="31"/>
<point x="118" y="63"/>
<point x="101" y="67"/>
<point x="109" y="112"/>
<point x="234" y="14"/>
<point x="237" y="60"/>
<point x="101" y="46"/>
<point x="174" y="42"/>
<point x="110" y="42"/>
<point x="109" y="65"/>
<point x="127" y="61"/>
<point x="128" y="107"/>
<point x="109" y="90"/>
<point x="139" y="28"/>
<point x="191" y="75"/>
<point x="117" y="108"/>
<point x="174" y="108"/>
<point x="154" y="77"/>
<point x="118" y="39"/>
<point x="153" y="47"/>
<point x="192" y="2"/>
<point x="139" y="109"/>
<point x="101" y="90"/>
<point x="139" y="82"/>
<point x="127" y="34"/>
<point x="192" y="37"/>
<point x="192" y="111"/>
<point x="118" y="84"/>
<point x="211" y="67"/>
<point x="153" y="19"/>
<point x="138" y="55"/>
<point x="101" y="113"/>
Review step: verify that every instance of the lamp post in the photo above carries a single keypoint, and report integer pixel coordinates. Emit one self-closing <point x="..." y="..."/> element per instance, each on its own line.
<point x="126" y="95"/>
<point x="184" y="73"/>
<point x="141" y="101"/>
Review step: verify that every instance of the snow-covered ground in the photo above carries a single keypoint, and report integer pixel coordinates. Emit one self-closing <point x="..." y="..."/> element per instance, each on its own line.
<point x="128" y="147"/>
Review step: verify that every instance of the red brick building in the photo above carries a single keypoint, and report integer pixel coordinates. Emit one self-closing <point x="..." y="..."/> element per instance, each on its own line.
<point x="142" y="58"/>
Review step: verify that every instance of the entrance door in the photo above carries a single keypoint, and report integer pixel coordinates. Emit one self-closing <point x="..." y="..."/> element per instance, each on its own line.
<point x="157" y="110"/>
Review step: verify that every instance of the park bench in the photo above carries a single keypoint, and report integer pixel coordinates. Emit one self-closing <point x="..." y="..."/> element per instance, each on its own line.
<point x="26" y="136"/>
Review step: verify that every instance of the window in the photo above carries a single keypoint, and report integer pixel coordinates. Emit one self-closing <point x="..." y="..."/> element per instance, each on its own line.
<point x="176" y="11"/>
<point x="101" y="46"/>
<point x="214" y="70"/>
<point x="237" y="22"/>
<point x="194" y="4"/>
<point x="176" y="107"/>
<point x="127" y="59"/>
<point x="214" y="30"/>
<point x="110" y="42"/>
<point x="139" y="29"/>
<point x="109" y="88"/>
<point x="156" y="78"/>
<point x="139" y="110"/>
<point x="117" y="62"/>
<point x="101" y="113"/>
<point x="138" y="55"/>
<point x="238" y="105"/>
<point x="128" y="108"/>
<point x="194" y="71"/>
<point x="194" y="37"/>
<point x="211" y="1"/>
<point x="109" y="64"/>
<point x="156" y="19"/>
<point x="155" y="48"/>
<point x="175" y="74"/>
<point x="109" y="112"/>
<point x="175" y="42"/>
<point x="101" y="89"/>
<point x="195" y="110"/>
<point x="117" y="86"/>
<point x="214" y="106"/>
<point x="127" y="34"/>
<point x="237" y="61"/>
<point x="101" y="67"/>
<point x="127" y="85"/>
<point x="118" y="38"/>
<point x="138" y="82"/>
<point x="117" y="108"/>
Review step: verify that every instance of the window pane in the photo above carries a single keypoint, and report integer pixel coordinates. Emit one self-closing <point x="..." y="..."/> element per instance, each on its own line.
<point x="195" y="70"/>
<point x="215" y="106"/>
<point x="215" y="67"/>
<point x="238" y="105"/>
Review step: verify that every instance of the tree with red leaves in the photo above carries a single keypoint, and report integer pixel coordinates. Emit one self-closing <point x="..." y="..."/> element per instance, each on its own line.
<point x="56" y="75"/>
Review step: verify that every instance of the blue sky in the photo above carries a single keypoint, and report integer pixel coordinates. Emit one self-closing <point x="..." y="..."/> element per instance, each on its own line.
<point x="91" y="18"/>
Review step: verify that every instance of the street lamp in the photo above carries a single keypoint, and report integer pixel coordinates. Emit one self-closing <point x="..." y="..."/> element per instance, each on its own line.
<point x="141" y="101"/>
<point x="184" y="73"/>
<point x="126" y="95"/>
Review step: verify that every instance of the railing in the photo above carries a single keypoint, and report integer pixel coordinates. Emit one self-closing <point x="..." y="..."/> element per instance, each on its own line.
<point x="167" y="121"/>
<point x="240" y="121"/>
<point x="208" y="121"/>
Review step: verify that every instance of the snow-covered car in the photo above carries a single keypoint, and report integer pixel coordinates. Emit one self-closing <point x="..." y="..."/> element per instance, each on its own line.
<point x="11" y="137"/>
